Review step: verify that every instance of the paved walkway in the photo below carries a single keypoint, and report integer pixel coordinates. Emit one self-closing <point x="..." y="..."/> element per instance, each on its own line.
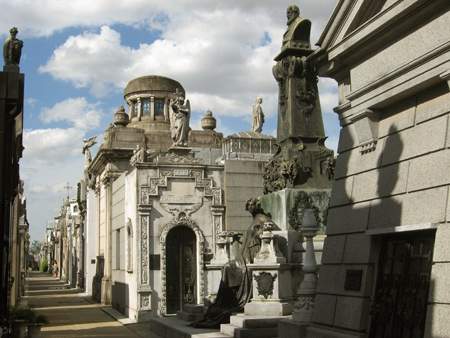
<point x="72" y="315"/>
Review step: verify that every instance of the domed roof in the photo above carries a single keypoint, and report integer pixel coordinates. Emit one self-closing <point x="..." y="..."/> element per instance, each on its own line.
<point x="153" y="83"/>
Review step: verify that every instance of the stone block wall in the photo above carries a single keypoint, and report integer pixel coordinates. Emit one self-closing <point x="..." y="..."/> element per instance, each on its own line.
<point x="403" y="185"/>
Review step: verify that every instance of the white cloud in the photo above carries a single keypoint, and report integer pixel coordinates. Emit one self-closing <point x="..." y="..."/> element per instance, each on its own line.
<point x="78" y="112"/>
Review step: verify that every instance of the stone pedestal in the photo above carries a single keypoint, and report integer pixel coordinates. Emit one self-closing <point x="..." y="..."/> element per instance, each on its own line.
<point x="287" y="208"/>
<point x="273" y="292"/>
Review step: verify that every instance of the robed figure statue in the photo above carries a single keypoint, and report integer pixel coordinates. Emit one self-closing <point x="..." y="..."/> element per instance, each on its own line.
<point x="235" y="289"/>
<point x="179" y="121"/>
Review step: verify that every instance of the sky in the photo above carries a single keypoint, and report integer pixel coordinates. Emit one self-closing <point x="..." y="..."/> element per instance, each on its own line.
<point x="78" y="57"/>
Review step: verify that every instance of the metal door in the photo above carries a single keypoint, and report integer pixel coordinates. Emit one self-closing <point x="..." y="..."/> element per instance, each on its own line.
<point x="181" y="269"/>
<point x="399" y="306"/>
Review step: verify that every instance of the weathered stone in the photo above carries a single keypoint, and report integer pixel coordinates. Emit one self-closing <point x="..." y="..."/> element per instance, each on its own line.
<point x="358" y="249"/>
<point x="351" y="313"/>
<point x="379" y="208"/>
<point x="349" y="218"/>
<point x="397" y="117"/>
<point x="333" y="250"/>
<point x="328" y="303"/>
<point x="426" y="171"/>
<point x="432" y="103"/>
<point x="422" y="139"/>
<point x="437" y="324"/>
<point x="439" y="290"/>
<point x="425" y="206"/>
<point x="386" y="181"/>
<point x="341" y="192"/>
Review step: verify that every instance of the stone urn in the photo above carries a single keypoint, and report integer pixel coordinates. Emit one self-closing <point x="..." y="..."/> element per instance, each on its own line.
<point x="208" y="122"/>
<point x="121" y="117"/>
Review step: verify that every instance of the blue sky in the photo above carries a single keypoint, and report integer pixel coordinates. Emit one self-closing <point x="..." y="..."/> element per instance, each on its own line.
<point x="79" y="55"/>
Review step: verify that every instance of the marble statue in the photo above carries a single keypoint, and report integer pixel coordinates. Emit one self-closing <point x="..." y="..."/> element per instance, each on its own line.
<point x="179" y="120"/>
<point x="258" y="116"/>
<point x="12" y="49"/>
<point x="235" y="289"/>
<point x="87" y="153"/>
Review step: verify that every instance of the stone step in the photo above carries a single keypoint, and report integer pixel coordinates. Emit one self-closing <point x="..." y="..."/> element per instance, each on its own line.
<point x="193" y="308"/>
<point x="189" y="316"/>
<point x="244" y="321"/>
<point x="210" y="335"/>
<point x="239" y="332"/>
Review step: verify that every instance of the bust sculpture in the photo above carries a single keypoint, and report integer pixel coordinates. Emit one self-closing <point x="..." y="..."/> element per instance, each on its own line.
<point x="298" y="30"/>
<point x="12" y="49"/>
<point x="258" y="116"/>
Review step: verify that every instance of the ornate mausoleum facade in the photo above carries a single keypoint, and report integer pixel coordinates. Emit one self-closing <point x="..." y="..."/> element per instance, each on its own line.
<point x="157" y="200"/>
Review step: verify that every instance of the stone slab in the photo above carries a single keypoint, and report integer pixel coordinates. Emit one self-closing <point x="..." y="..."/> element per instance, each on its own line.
<point x="333" y="277"/>
<point x="392" y="206"/>
<point x="433" y="102"/>
<point x="245" y="321"/>
<point x="237" y="332"/>
<point x="352" y="313"/>
<point x="437" y="324"/>
<point x="358" y="249"/>
<point x="428" y="171"/>
<point x="348" y="218"/>
<point x="382" y="182"/>
<point x="423" y="138"/>
<point x="425" y="206"/>
<point x="171" y="327"/>
<point x="324" y="308"/>
<point x="341" y="192"/>
<point x="397" y="117"/>
<point x="189" y="317"/>
<point x="333" y="250"/>
<point x="441" y="248"/>
<point x="439" y="290"/>
<point x="268" y="308"/>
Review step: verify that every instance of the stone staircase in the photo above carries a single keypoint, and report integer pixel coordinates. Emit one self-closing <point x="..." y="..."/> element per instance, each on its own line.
<point x="244" y="326"/>
<point x="191" y="312"/>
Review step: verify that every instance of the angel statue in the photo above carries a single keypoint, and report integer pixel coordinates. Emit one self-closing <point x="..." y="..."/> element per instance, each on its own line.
<point x="179" y="120"/>
<point x="87" y="153"/>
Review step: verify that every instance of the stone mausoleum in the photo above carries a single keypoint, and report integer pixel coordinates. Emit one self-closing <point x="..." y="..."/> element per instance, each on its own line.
<point x="165" y="203"/>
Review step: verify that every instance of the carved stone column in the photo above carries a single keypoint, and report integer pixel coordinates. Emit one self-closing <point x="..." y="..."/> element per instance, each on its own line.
<point x="307" y="292"/>
<point x="144" y="288"/>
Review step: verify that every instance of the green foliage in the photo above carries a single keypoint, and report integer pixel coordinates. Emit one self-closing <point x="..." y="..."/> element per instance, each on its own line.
<point x="44" y="265"/>
<point x="22" y="313"/>
<point x="41" y="319"/>
<point x="27" y="314"/>
<point x="35" y="246"/>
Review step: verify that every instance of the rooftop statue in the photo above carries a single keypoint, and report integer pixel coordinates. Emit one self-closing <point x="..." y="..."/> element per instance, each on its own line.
<point x="235" y="288"/>
<point x="258" y="116"/>
<point x="87" y="153"/>
<point x="179" y="120"/>
<point x="12" y="49"/>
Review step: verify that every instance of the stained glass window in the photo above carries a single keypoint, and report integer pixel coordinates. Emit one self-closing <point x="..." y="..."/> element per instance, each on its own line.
<point x="146" y="107"/>
<point x="255" y="146"/>
<point x="159" y="107"/>
<point x="136" y="108"/>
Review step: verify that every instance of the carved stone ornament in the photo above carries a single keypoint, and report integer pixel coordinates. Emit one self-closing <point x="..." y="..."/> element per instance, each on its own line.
<point x="265" y="282"/>
<point x="197" y="174"/>
<point x="302" y="203"/>
<point x="306" y="302"/>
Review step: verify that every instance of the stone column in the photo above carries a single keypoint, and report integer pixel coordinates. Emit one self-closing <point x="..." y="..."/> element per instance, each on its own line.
<point x="166" y="109"/>
<point x="144" y="288"/>
<point x="106" y="280"/>
<point x="152" y="108"/>
<point x="307" y="292"/>
<point x="138" y="100"/>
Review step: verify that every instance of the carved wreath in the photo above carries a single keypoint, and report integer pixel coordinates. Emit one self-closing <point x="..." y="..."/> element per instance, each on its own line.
<point x="265" y="282"/>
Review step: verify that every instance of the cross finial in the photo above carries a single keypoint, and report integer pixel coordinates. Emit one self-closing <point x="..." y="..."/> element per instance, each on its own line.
<point x="68" y="187"/>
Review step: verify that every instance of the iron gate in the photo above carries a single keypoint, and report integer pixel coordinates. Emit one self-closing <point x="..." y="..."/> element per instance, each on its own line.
<point x="399" y="306"/>
<point x="181" y="269"/>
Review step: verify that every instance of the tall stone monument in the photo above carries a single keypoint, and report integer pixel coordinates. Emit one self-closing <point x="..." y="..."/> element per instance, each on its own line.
<point x="302" y="163"/>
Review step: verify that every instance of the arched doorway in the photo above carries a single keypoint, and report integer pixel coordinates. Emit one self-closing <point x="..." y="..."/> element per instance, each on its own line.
<point x="181" y="268"/>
